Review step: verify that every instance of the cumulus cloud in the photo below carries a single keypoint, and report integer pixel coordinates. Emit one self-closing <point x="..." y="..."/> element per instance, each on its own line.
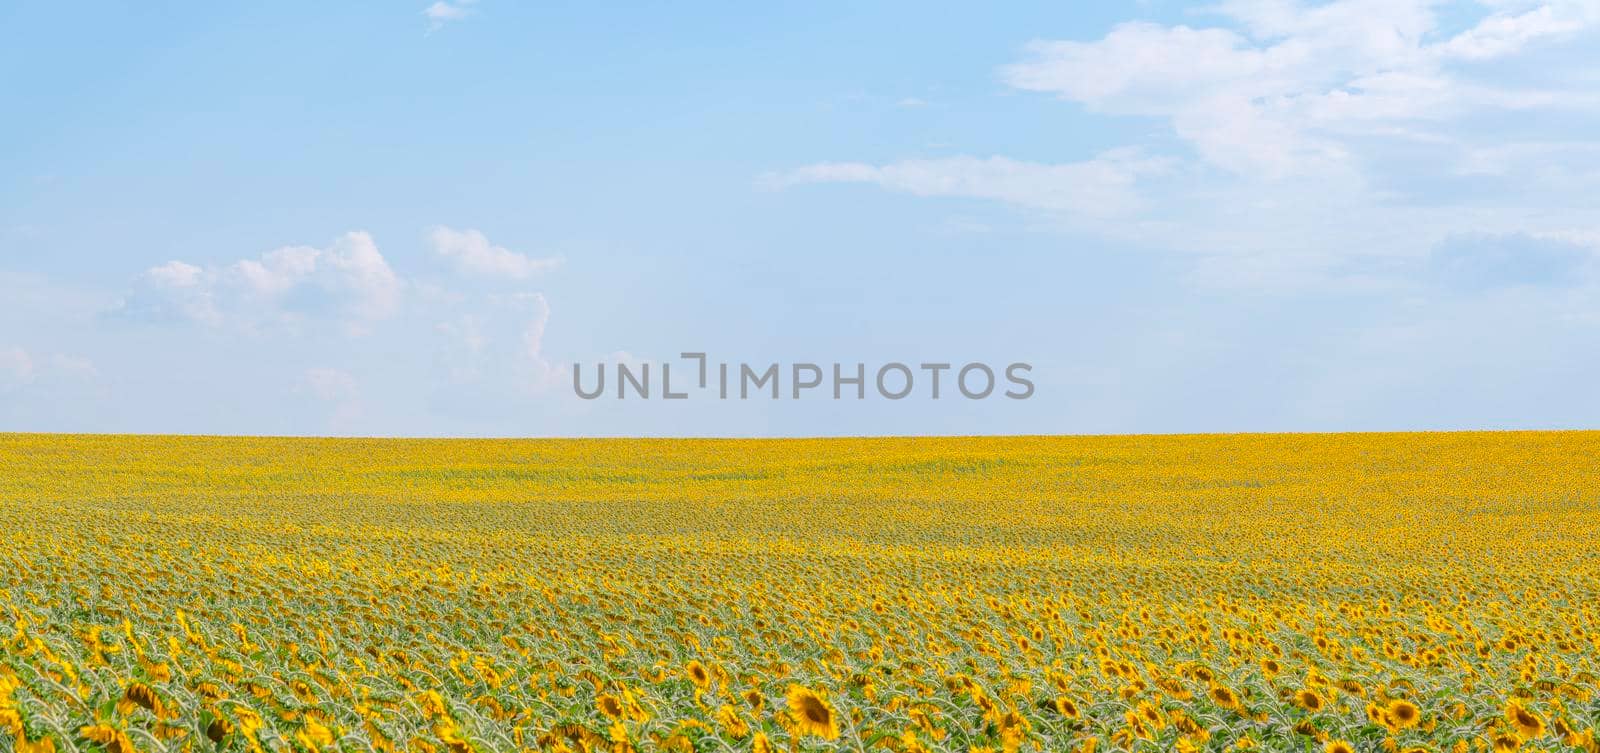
<point x="472" y="253"/>
<point x="1289" y="85"/>
<point x="349" y="278"/>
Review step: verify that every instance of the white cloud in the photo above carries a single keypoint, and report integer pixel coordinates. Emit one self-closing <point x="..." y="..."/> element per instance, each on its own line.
<point x="1100" y="187"/>
<point x="276" y="272"/>
<point x="443" y="12"/>
<point x="472" y="253"/>
<point x="183" y="290"/>
<point x="349" y="278"/>
<point x="361" y="270"/>
<point x="1289" y="90"/>
<point x="1506" y="33"/>
<point x="1328" y="144"/>
<point x="542" y="373"/>
<point x="176" y="274"/>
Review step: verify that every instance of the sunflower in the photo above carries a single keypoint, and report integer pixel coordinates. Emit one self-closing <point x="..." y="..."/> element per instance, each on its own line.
<point x="432" y="704"/>
<point x="1404" y="713"/>
<point x="1309" y="700"/>
<point x="1507" y="743"/>
<point x="1376" y="714"/>
<point x="1065" y="707"/>
<point x="1527" y="723"/>
<point x="1224" y="697"/>
<point x="735" y="726"/>
<point x="631" y="707"/>
<point x="108" y="737"/>
<point x="609" y="705"/>
<point x="319" y="736"/>
<point x="1151" y="715"/>
<point x="42" y="745"/>
<point x="812" y="714"/>
<point x="760" y="743"/>
<point x="1338" y="746"/>
<point x="755" y="699"/>
<point x="218" y="729"/>
<point x="141" y="695"/>
<point x="698" y="673"/>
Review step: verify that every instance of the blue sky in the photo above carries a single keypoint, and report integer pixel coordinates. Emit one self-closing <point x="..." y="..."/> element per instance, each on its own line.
<point x="413" y="219"/>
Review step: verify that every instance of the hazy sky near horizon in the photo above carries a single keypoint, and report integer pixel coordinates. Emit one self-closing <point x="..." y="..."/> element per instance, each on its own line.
<point x="408" y="219"/>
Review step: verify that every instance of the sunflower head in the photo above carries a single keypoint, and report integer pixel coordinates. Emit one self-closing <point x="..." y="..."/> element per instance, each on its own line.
<point x="1338" y="746"/>
<point x="609" y="705"/>
<point x="1404" y="713"/>
<point x="698" y="674"/>
<point x="1529" y="725"/>
<point x="1507" y="743"/>
<point x="141" y="695"/>
<point x="812" y="714"/>
<point x="732" y="723"/>
<point x="432" y="704"/>
<point x="108" y="737"/>
<point x="218" y="729"/>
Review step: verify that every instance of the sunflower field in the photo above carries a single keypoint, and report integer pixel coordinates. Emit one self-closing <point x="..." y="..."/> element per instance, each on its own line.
<point x="1329" y="593"/>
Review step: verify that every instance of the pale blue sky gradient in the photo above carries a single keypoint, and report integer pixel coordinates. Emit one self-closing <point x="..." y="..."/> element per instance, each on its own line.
<point x="404" y="219"/>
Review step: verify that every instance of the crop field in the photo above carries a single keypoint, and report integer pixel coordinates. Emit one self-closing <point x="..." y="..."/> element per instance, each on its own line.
<point x="1352" y="592"/>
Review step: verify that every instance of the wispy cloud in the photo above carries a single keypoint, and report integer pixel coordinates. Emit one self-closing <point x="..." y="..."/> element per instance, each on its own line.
<point x="1100" y="187"/>
<point x="1301" y="142"/>
<point x="446" y="11"/>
